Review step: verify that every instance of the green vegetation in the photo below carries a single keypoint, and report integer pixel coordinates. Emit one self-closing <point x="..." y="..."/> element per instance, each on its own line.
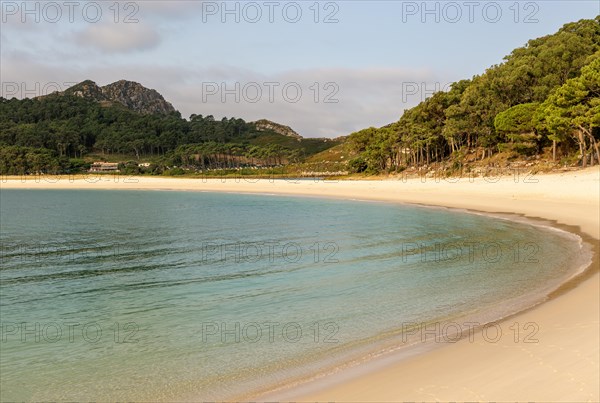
<point x="545" y="95"/>
<point x="574" y="108"/>
<point x="517" y="125"/>
<point x="55" y="133"/>
<point x="547" y="92"/>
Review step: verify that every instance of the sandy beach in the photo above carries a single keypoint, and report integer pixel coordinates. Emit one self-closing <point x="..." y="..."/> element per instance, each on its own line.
<point x="563" y="365"/>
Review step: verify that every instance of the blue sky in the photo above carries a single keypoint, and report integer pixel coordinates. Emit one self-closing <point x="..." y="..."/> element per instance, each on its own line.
<point x="368" y="63"/>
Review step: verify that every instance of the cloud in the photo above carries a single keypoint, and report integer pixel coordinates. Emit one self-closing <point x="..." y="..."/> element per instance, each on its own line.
<point x="118" y="38"/>
<point x="365" y="96"/>
<point x="315" y="102"/>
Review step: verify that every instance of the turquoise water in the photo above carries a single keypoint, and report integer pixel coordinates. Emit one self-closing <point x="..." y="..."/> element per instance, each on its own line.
<point x="123" y="295"/>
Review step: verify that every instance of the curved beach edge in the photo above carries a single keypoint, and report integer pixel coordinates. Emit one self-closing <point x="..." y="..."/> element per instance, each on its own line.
<point x="470" y="326"/>
<point x="560" y="362"/>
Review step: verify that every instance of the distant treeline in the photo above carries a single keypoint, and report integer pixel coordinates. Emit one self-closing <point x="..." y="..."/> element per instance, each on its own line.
<point x="52" y="134"/>
<point x="546" y="93"/>
<point x="544" y="96"/>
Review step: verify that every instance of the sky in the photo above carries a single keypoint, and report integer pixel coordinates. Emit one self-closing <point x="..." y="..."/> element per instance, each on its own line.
<point x="325" y="68"/>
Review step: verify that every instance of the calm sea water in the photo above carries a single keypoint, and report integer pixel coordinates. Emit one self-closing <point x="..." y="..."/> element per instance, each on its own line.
<point x="110" y="295"/>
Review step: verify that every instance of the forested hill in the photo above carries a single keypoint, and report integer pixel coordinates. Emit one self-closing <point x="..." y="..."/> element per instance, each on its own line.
<point x="541" y="104"/>
<point x="542" y="101"/>
<point x="121" y="122"/>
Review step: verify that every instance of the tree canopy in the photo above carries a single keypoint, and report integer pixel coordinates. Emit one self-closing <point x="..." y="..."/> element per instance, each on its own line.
<point x="64" y="127"/>
<point x="541" y="94"/>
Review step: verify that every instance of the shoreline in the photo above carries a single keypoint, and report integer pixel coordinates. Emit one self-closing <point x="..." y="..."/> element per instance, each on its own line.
<point x="505" y="371"/>
<point x="395" y="353"/>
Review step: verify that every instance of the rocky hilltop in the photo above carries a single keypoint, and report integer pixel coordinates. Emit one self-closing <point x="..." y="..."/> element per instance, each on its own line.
<point x="128" y="93"/>
<point x="137" y="97"/>
<point x="265" y="124"/>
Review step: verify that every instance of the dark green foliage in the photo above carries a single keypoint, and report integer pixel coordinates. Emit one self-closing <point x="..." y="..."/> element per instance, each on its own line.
<point x="357" y="165"/>
<point x="15" y="160"/>
<point x="518" y="119"/>
<point x="68" y="126"/>
<point x="515" y="106"/>
<point x="518" y="125"/>
<point x="573" y="110"/>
